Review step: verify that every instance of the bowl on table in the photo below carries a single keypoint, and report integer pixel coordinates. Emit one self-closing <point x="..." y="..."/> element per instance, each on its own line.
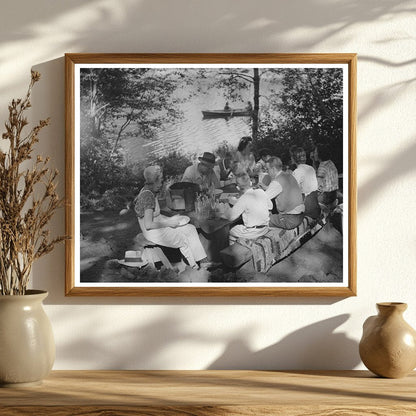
<point x="183" y="220"/>
<point x="229" y="197"/>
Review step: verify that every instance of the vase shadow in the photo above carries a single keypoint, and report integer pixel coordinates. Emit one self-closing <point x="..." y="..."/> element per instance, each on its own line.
<point x="314" y="347"/>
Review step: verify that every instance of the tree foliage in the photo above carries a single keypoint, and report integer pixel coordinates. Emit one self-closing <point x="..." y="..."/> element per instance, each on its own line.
<point x="307" y="110"/>
<point x="114" y="98"/>
<point x="117" y="103"/>
<point x="292" y="106"/>
<point x="173" y="164"/>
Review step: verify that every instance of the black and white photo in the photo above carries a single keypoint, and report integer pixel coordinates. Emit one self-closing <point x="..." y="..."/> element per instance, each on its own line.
<point x="211" y="175"/>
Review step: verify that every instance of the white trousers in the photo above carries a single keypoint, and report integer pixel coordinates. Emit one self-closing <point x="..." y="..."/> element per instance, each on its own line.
<point x="185" y="238"/>
<point x="241" y="231"/>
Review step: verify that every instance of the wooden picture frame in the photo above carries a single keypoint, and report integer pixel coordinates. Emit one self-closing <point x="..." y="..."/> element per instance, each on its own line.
<point x="297" y="70"/>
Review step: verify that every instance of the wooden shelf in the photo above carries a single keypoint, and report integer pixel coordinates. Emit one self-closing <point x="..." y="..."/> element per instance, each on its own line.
<point x="203" y="393"/>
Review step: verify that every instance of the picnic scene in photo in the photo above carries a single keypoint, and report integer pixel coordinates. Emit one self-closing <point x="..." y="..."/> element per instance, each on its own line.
<point x="211" y="175"/>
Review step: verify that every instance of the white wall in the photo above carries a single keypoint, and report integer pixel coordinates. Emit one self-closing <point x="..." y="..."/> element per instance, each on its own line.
<point x="200" y="333"/>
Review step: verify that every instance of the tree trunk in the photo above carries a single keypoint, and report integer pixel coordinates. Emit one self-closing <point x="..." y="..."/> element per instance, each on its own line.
<point x="125" y="124"/>
<point x="256" y="107"/>
<point x="95" y="119"/>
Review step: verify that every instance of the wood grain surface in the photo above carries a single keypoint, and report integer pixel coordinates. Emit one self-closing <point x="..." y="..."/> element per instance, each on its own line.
<point x="203" y="393"/>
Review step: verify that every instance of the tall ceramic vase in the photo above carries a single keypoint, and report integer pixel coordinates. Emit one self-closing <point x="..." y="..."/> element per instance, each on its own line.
<point x="388" y="344"/>
<point x="27" y="347"/>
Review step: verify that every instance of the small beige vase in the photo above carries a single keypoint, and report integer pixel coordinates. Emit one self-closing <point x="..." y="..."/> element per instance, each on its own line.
<point x="388" y="344"/>
<point x="27" y="347"/>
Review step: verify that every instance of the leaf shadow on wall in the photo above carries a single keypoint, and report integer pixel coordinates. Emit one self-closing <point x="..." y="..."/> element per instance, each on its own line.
<point x="395" y="167"/>
<point x="316" y="346"/>
<point x="152" y="345"/>
<point x="392" y="170"/>
<point x="120" y="347"/>
<point x="105" y="26"/>
<point x="151" y="22"/>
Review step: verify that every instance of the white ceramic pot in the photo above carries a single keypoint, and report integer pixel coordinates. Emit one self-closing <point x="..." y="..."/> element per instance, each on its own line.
<point x="27" y="346"/>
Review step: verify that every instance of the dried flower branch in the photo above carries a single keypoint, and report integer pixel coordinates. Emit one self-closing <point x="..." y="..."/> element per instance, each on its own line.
<point x="23" y="217"/>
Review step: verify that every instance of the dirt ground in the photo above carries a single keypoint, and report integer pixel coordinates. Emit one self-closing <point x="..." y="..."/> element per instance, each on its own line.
<point x="106" y="236"/>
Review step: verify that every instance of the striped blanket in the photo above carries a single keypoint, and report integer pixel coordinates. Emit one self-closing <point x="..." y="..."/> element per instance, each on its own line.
<point x="277" y="243"/>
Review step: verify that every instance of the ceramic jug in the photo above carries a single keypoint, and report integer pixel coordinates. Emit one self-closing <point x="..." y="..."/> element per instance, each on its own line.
<point x="27" y="347"/>
<point x="388" y="345"/>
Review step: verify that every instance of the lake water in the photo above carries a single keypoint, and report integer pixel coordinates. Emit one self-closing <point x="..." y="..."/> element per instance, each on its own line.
<point x="195" y="135"/>
<point x="192" y="135"/>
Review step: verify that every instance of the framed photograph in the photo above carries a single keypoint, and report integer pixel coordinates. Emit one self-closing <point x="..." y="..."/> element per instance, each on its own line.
<point x="211" y="174"/>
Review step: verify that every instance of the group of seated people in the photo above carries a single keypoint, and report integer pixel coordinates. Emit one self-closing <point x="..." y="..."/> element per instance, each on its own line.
<point x="281" y="198"/>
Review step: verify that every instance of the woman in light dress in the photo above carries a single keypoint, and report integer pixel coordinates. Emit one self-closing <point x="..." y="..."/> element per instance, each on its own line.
<point x="162" y="230"/>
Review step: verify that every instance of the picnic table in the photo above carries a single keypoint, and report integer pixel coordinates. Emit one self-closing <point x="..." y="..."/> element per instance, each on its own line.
<point x="213" y="231"/>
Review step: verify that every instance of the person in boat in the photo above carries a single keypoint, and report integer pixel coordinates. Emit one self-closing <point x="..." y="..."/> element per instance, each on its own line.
<point x="227" y="106"/>
<point x="202" y="173"/>
<point x="306" y="178"/>
<point x="327" y="176"/>
<point x="283" y="188"/>
<point x="253" y="206"/>
<point x="245" y="157"/>
<point x="162" y="230"/>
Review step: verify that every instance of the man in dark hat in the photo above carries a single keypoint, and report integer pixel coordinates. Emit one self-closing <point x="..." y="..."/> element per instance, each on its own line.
<point x="203" y="173"/>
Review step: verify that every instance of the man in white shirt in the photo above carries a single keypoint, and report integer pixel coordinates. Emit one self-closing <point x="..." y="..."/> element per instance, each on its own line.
<point x="253" y="206"/>
<point x="287" y="194"/>
<point x="306" y="178"/>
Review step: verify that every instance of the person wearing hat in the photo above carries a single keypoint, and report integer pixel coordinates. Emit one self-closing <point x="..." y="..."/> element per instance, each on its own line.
<point x="203" y="173"/>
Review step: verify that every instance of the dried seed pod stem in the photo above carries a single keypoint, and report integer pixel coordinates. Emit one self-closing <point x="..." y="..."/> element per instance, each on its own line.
<point x="28" y="199"/>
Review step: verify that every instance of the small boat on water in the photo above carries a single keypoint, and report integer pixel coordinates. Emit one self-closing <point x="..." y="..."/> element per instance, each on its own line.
<point x="236" y="112"/>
